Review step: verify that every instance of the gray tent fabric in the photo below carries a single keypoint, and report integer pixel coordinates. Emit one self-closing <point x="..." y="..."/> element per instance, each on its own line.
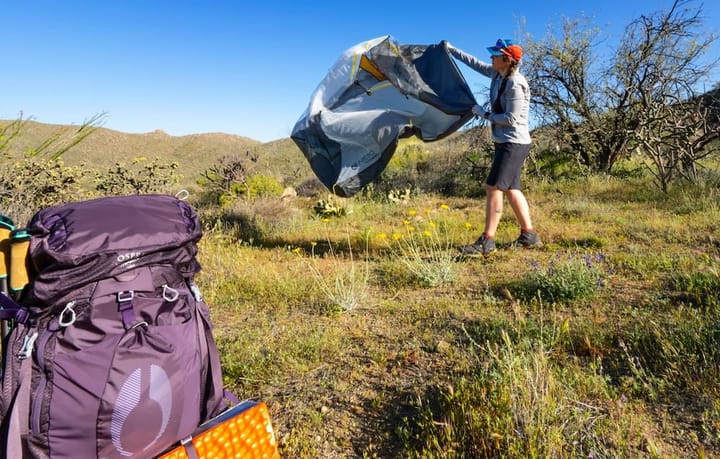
<point x="377" y="92"/>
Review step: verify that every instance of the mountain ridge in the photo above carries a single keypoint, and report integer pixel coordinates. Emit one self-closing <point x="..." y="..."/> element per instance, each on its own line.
<point x="193" y="152"/>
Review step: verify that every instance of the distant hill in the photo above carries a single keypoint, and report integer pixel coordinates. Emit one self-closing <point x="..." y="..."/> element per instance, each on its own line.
<point x="281" y="159"/>
<point x="194" y="153"/>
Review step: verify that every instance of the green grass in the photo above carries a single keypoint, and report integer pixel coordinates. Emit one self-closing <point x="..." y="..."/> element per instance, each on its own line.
<point x="603" y="343"/>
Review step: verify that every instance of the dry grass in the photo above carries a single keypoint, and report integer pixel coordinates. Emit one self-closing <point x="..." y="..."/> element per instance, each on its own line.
<point x="469" y="368"/>
<point x="474" y="365"/>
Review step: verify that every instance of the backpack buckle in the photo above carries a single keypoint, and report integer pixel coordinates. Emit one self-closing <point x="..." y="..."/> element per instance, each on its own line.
<point x="125" y="307"/>
<point x="122" y="297"/>
<point x="25" y="351"/>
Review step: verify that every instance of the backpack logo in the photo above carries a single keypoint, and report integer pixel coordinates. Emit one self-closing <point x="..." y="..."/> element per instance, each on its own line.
<point x="128" y="260"/>
<point x="145" y="399"/>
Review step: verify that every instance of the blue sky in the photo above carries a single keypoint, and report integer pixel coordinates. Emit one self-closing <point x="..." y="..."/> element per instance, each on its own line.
<point x="238" y="67"/>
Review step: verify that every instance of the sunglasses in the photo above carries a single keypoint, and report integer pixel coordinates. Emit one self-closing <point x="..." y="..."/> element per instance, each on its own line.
<point x="500" y="44"/>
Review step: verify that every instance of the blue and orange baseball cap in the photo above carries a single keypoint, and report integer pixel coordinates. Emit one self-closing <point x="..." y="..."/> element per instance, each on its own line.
<point x="506" y="47"/>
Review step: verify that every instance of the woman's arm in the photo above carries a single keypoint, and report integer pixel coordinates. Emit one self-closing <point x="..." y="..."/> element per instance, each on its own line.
<point x="471" y="61"/>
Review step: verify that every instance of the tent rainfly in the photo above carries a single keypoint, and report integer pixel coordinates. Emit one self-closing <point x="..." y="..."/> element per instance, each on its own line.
<point x="377" y="92"/>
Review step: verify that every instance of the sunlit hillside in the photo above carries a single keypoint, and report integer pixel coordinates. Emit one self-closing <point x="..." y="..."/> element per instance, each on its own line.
<point x="105" y="147"/>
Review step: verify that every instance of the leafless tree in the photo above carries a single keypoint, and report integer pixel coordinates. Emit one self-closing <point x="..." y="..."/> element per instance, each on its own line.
<point x="228" y="171"/>
<point x="674" y="139"/>
<point x="566" y="91"/>
<point x="675" y="126"/>
<point x="598" y="108"/>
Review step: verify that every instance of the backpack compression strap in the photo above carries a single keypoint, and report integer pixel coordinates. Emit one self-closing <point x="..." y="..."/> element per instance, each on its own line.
<point x="20" y="411"/>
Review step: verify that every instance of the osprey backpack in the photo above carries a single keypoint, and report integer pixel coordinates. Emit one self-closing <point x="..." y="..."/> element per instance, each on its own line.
<point x="111" y="351"/>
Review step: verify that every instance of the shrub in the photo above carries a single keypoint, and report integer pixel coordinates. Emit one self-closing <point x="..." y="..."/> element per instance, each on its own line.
<point x="140" y="177"/>
<point x="408" y="162"/>
<point x="258" y="186"/>
<point x="35" y="177"/>
<point x="220" y="181"/>
<point x="32" y="183"/>
<point x="343" y="282"/>
<point x="567" y="277"/>
<point x="425" y="248"/>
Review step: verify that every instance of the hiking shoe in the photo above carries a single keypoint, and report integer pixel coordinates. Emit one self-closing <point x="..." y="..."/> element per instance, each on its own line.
<point x="528" y="239"/>
<point x="483" y="246"/>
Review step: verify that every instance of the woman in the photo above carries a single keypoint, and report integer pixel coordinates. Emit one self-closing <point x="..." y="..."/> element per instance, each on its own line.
<point x="510" y="98"/>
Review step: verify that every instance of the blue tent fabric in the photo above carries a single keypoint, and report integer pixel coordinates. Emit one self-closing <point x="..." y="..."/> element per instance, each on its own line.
<point x="377" y="92"/>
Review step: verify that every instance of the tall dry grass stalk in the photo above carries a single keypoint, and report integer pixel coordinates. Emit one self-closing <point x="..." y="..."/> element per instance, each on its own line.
<point x="425" y="246"/>
<point x="344" y="280"/>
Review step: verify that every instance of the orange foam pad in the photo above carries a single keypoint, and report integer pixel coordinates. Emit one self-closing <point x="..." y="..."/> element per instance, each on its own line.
<point x="248" y="434"/>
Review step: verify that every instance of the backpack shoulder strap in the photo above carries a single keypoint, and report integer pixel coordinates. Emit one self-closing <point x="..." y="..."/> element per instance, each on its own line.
<point x="213" y="390"/>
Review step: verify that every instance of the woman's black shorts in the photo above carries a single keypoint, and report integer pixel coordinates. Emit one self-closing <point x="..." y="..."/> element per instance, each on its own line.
<point x="507" y="164"/>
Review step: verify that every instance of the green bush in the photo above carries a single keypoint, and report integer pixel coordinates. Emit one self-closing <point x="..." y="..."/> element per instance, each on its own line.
<point x="259" y="186"/>
<point x="140" y="177"/>
<point x="402" y="171"/>
<point x="250" y="188"/>
<point x="408" y="159"/>
<point x="567" y="277"/>
<point x="32" y="183"/>
<point x="558" y="165"/>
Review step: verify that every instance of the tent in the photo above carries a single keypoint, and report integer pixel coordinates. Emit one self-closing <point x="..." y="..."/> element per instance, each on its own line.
<point x="377" y="92"/>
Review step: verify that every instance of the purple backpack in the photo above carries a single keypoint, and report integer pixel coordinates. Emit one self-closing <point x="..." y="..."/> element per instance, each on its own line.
<point x="111" y="352"/>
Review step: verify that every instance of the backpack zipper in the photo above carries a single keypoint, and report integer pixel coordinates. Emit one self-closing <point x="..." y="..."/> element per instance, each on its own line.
<point x="42" y="383"/>
<point x="64" y="319"/>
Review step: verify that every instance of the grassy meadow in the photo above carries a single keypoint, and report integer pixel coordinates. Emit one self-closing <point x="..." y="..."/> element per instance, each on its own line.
<point x="368" y="337"/>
